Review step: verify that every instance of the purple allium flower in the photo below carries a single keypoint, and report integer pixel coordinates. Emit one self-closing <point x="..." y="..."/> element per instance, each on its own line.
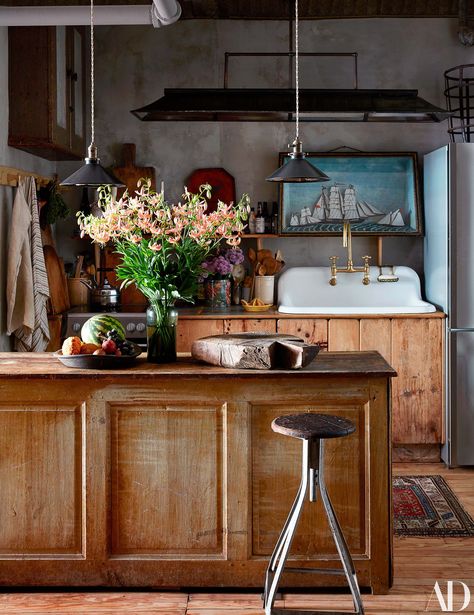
<point x="235" y="256"/>
<point x="222" y="265"/>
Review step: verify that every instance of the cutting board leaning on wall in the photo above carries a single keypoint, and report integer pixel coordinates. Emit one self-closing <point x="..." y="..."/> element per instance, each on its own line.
<point x="129" y="174"/>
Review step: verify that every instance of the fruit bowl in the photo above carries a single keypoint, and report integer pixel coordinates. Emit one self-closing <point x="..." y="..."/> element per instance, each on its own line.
<point x="103" y="361"/>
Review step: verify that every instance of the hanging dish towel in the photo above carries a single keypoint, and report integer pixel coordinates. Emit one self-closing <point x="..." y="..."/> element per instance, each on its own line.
<point x="27" y="280"/>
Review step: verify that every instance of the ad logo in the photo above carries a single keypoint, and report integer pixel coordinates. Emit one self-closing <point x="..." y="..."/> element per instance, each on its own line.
<point x="447" y="604"/>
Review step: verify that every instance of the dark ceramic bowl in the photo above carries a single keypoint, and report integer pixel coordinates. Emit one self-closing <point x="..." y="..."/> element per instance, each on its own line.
<point x="105" y="361"/>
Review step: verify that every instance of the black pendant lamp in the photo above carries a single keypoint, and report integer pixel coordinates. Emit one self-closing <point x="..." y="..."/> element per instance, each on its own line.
<point x="297" y="169"/>
<point x="92" y="173"/>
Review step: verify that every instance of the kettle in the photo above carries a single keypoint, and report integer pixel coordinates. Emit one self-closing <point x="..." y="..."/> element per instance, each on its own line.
<point x="103" y="297"/>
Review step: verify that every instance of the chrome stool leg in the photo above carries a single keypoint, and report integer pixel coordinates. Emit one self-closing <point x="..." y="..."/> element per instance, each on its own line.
<point x="341" y="544"/>
<point x="282" y="547"/>
<point x="312" y="477"/>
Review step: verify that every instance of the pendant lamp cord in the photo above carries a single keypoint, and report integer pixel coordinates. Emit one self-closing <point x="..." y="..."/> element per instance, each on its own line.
<point x="92" y="75"/>
<point x="297" y="73"/>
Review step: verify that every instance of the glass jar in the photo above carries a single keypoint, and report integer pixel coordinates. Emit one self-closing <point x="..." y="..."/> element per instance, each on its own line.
<point x="161" y="323"/>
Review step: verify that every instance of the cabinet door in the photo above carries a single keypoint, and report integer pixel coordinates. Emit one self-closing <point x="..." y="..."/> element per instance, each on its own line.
<point x="77" y="70"/>
<point x="59" y="85"/>
<point x="255" y="325"/>
<point x="312" y="330"/>
<point x="417" y="398"/>
<point x="192" y="329"/>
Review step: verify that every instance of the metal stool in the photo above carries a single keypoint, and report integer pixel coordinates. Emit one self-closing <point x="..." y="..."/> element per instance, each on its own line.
<point x="313" y="429"/>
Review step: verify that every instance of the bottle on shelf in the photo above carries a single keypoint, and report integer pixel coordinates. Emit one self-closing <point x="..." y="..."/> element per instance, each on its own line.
<point x="252" y="226"/>
<point x="259" y="219"/>
<point x="274" y="225"/>
<point x="267" y="217"/>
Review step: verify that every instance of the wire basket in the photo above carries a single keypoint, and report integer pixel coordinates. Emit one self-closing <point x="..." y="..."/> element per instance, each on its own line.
<point x="459" y="92"/>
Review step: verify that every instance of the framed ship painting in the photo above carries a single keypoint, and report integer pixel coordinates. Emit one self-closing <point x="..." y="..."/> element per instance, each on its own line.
<point x="376" y="192"/>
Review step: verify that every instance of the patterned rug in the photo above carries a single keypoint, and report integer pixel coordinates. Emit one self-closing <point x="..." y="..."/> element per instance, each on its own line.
<point x="426" y="506"/>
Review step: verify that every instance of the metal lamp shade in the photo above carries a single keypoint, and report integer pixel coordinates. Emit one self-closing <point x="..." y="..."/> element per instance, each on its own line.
<point x="92" y="174"/>
<point x="297" y="169"/>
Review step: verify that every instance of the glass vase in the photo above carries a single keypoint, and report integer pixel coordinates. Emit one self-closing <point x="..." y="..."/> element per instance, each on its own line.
<point x="161" y="322"/>
<point x="217" y="293"/>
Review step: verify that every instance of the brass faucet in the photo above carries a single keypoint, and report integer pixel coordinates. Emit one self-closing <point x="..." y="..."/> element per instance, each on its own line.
<point x="347" y="243"/>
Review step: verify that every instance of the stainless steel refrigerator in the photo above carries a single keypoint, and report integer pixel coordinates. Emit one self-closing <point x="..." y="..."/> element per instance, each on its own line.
<point x="449" y="278"/>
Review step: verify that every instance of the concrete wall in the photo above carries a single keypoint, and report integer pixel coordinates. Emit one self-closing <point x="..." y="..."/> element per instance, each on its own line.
<point x="14" y="158"/>
<point x="135" y="64"/>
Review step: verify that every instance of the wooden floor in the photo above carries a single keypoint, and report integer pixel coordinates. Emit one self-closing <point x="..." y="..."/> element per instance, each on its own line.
<point x="419" y="562"/>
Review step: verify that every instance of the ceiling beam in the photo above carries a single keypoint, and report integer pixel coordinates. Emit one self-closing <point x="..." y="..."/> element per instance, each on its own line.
<point x="278" y="9"/>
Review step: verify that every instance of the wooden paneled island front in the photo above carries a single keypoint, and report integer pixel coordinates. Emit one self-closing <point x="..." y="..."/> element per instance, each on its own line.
<point x="170" y="476"/>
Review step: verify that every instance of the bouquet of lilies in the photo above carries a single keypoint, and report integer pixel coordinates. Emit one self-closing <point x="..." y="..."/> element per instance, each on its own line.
<point x="163" y="245"/>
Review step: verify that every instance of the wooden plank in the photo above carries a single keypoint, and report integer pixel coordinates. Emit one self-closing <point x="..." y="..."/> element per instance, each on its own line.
<point x="94" y="602"/>
<point x="425" y="453"/>
<point x="9" y="176"/>
<point x="254" y="325"/>
<point x="377" y="335"/>
<point x="343" y="334"/>
<point x="417" y="393"/>
<point x="40" y="366"/>
<point x="200" y="312"/>
<point x="190" y="330"/>
<point x="313" y="331"/>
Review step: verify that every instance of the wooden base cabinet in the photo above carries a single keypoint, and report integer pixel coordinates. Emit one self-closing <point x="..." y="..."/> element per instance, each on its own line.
<point x="170" y="476"/>
<point x="413" y="346"/>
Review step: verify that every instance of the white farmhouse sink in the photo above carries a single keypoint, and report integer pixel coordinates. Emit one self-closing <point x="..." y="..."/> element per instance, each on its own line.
<point x="306" y="290"/>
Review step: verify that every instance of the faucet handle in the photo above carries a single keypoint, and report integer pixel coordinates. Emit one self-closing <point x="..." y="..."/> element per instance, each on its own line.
<point x="366" y="278"/>
<point x="333" y="279"/>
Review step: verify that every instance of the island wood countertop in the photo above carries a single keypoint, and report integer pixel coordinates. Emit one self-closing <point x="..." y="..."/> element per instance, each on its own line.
<point x="333" y="364"/>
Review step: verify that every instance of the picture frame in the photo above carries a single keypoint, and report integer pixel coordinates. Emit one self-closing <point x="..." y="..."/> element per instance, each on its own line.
<point x="378" y="192"/>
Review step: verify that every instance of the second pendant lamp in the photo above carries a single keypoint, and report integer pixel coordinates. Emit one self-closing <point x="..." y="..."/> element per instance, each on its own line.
<point x="297" y="169"/>
<point x="92" y="173"/>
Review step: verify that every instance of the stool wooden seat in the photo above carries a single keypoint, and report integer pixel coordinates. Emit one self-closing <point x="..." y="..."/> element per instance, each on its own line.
<point x="312" y="429"/>
<point x="308" y="426"/>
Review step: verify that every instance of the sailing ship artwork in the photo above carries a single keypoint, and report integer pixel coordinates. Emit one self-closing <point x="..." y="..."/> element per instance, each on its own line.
<point x="376" y="193"/>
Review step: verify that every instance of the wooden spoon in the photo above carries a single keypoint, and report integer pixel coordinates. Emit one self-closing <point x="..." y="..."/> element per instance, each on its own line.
<point x="271" y="266"/>
<point x="252" y="256"/>
<point x="263" y="254"/>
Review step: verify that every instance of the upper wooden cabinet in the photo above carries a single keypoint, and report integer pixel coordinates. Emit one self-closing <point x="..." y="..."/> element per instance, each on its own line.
<point x="47" y="96"/>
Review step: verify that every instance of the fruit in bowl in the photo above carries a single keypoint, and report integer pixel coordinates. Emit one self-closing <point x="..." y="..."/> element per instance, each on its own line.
<point x="101" y="335"/>
<point x="95" y="330"/>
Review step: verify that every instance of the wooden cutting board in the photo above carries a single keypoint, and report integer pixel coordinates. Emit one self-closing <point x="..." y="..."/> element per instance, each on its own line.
<point x="221" y="182"/>
<point x="129" y="173"/>
<point x="254" y="351"/>
<point x="58" y="293"/>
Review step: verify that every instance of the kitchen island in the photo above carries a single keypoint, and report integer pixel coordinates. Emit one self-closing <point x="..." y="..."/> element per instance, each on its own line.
<point x="170" y="476"/>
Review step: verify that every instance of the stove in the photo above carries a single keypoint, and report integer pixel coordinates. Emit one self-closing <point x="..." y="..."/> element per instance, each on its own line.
<point x="132" y="317"/>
